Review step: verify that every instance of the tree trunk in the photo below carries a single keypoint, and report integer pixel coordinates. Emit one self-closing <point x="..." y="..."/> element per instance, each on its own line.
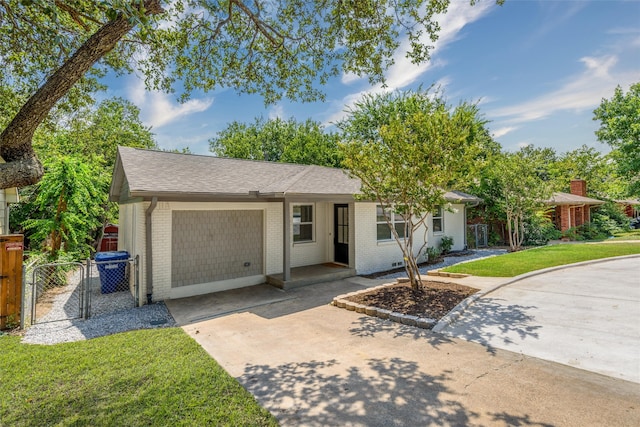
<point x="22" y="167"/>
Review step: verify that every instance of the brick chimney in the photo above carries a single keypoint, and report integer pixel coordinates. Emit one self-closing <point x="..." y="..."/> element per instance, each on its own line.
<point x="579" y="187"/>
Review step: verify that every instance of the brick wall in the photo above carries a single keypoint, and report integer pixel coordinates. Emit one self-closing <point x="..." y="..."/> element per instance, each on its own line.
<point x="565" y="222"/>
<point x="579" y="187"/>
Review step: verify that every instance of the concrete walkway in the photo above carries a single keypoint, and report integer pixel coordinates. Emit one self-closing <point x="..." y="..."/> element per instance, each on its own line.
<point x="586" y="316"/>
<point x="312" y="364"/>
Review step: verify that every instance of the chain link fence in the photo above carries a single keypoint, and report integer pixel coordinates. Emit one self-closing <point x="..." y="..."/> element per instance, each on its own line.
<point x="477" y="236"/>
<point x="73" y="290"/>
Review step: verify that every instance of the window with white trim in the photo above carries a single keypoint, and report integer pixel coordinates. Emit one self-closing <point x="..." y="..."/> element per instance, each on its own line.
<point x="438" y="220"/>
<point x="383" y="232"/>
<point x="302" y="223"/>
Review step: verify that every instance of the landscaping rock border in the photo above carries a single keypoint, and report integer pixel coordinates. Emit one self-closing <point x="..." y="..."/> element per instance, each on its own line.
<point x="341" y="302"/>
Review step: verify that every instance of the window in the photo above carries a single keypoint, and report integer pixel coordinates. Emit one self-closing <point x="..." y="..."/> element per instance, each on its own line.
<point x="383" y="231"/>
<point x="303" y="223"/>
<point x="438" y="220"/>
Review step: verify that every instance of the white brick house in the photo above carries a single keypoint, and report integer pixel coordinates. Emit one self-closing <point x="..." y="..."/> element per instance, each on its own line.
<point x="203" y="224"/>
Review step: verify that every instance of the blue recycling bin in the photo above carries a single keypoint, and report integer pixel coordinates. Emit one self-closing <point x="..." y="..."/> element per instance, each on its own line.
<point x="112" y="268"/>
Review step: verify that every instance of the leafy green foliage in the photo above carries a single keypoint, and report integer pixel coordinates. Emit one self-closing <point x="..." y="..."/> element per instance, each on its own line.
<point x="84" y="145"/>
<point x="553" y="170"/>
<point x="94" y="134"/>
<point x="140" y="378"/>
<point x="68" y="206"/>
<point x="606" y="221"/>
<point x="620" y="128"/>
<point x="278" y="141"/>
<point x="597" y="169"/>
<point x="539" y="229"/>
<point x="276" y="49"/>
<point x="446" y="243"/>
<point x="521" y="192"/>
<point x="407" y="148"/>
<point x="433" y="254"/>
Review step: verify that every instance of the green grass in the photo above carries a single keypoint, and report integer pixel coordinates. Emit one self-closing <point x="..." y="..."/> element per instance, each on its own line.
<point x="628" y="235"/>
<point x="517" y="263"/>
<point x="156" y="377"/>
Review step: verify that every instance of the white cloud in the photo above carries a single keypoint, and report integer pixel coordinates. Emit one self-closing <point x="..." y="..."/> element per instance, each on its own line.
<point x="580" y="92"/>
<point x="276" y="112"/>
<point x="403" y="72"/>
<point x="503" y="131"/>
<point x="157" y="109"/>
<point x="459" y="14"/>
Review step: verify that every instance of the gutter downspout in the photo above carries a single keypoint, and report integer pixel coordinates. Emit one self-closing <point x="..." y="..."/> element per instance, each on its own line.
<point x="149" y="248"/>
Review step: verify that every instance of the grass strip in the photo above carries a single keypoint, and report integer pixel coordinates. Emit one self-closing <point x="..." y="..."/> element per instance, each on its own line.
<point x="158" y="377"/>
<point x="516" y="263"/>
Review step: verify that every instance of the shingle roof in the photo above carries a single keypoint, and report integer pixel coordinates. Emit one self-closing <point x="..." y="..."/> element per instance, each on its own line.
<point x="631" y="202"/>
<point x="572" y="199"/>
<point x="149" y="173"/>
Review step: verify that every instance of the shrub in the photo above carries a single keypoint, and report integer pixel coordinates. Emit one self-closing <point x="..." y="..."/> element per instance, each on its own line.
<point x="446" y="243"/>
<point x="609" y="219"/>
<point x="539" y="229"/>
<point x="433" y="255"/>
<point x="605" y="222"/>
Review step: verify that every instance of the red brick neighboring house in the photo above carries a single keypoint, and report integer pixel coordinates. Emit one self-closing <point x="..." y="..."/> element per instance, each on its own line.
<point x="631" y="207"/>
<point x="573" y="209"/>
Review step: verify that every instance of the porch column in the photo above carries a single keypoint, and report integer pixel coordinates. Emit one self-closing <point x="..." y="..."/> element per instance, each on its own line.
<point x="286" y="241"/>
<point x="352" y="235"/>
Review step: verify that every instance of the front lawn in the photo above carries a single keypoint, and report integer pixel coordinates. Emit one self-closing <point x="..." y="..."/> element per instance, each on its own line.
<point x="158" y="377"/>
<point x="628" y="235"/>
<point x="517" y="263"/>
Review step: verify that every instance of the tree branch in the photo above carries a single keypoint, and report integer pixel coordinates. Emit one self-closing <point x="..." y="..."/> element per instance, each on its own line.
<point x="21" y="172"/>
<point x="15" y="139"/>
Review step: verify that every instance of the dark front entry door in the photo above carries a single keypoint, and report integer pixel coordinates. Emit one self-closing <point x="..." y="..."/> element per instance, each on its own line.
<point x="341" y="233"/>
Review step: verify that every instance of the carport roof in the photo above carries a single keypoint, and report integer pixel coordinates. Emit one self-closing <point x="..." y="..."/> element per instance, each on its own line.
<point x="148" y="173"/>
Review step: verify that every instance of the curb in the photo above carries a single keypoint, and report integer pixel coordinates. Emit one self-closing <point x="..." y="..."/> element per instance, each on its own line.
<point x="451" y="317"/>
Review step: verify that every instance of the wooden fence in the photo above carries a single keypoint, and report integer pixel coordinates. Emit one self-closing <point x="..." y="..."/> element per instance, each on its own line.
<point x="11" y="249"/>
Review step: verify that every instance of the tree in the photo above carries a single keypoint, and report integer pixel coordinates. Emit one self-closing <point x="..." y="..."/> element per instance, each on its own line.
<point x="521" y="192"/>
<point x="407" y="148"/>
<point x="275" y="49"/>
<point x="93" y="134"/>
<point x="278" y="141"/>
<point x="603" y="181"/>
<point x="620" y="128"/>
<point x="68" y="205"/>
<point x="89" y="136"/>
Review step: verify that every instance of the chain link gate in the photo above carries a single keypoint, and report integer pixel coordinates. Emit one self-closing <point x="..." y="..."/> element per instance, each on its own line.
<point x="58" y="292"/>
<point x="72" y="290"/>
<point x="113" y="285"/>
<point x="477" y="235"/>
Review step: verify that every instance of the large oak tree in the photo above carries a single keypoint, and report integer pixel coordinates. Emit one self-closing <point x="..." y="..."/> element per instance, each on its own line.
<point x="285" y="48"/>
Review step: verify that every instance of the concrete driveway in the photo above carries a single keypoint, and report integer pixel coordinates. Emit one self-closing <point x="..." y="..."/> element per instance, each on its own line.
<point x="587" y="316"/>
<point x="312" y="364"/>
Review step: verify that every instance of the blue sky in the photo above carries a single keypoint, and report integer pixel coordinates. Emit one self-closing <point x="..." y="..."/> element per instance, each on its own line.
<point x="537" y="69"/>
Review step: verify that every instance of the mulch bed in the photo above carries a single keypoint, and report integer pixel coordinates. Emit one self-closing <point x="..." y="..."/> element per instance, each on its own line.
<point x="433" y="299"/>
